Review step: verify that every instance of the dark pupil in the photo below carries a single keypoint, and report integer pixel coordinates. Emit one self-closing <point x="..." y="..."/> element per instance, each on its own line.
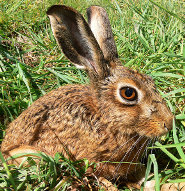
<point x="129" y="92"/>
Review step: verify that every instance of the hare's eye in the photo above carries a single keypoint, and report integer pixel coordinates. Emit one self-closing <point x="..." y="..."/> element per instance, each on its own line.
<point x="128" y="93"/>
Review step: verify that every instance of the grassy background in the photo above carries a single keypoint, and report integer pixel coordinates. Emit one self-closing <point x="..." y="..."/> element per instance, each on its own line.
<point x="150" y="36"/>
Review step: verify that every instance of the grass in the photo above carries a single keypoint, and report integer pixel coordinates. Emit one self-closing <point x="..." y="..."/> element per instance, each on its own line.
<point x="150" y="38"/>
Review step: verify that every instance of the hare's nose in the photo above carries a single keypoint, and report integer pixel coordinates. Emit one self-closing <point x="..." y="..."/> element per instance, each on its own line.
<point x="169" y="124"/>
<point x="166" y="127"/>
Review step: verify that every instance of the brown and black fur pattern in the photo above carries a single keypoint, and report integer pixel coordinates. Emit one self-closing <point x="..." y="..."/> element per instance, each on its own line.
<point x="92" y="121"/>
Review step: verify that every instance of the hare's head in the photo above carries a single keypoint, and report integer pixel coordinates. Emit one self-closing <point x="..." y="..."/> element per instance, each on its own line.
<point x="127" y="99"/>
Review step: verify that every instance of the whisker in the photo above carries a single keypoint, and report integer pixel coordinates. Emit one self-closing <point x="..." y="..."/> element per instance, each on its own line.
<point x="116" y="152"/>
<point x="151" y="152"/>
<point x="136" y="156"/>
<point x="130" y="149"/>
<point x="145" y="153"/>
<point x="133" y="148"/>
<point x="145" y="150"/>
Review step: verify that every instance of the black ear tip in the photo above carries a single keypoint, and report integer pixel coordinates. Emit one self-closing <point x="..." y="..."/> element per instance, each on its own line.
<point x="92" y="9"/>
<point x="56" y="8"/>
<point x="61" y="9"/>
<point x="95" y="8"/>
<point x="88" y="10"/>
<point x="51" y="9"/>
<point x="89" y="13"/>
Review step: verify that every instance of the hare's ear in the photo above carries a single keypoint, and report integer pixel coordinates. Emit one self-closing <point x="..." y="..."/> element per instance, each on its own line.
<point x="101" y="28"/>
<point x="77" y="41"/>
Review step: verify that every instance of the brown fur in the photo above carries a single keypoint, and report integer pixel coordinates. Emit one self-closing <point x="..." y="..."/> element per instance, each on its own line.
<point x="92" y="121"/>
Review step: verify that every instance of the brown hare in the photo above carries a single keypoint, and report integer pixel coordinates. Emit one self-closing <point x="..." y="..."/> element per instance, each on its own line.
<point x="113" y="118"/>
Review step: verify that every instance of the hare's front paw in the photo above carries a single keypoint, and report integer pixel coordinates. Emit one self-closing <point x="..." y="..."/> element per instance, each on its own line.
<point x="150" y="186"/>
<point x="173" y="186"/>
<point x="107" y="185"/>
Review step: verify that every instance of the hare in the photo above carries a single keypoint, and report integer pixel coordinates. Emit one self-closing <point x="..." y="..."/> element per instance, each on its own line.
<point x="113" y="118"/>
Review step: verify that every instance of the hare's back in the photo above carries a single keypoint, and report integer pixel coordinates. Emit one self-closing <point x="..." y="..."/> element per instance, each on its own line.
<point x="54" y="112"/>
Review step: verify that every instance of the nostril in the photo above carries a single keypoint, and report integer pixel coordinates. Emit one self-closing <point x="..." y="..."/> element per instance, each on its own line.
<point x="166" y="127"/>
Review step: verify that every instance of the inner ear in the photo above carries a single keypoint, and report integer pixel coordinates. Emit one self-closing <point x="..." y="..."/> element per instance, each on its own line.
<point x="101" y="28"/>
<point x="77" y="41"/>
<point x="70" y="21"/>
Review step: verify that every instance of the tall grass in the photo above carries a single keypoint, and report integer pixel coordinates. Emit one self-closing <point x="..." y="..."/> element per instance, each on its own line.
<point x="150" y="36"/>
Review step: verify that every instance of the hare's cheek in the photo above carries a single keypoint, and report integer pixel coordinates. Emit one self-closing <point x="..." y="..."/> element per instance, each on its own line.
<point x="154" y="128"/>
<point x="130" y="116"/>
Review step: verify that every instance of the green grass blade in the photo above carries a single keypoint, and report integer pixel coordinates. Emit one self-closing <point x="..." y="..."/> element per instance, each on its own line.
<point x="156" y="175"/>
<point x="180" y="116"/>
<point x="8" y="172"/>
<point x="176" y="141"/>
<point x="168" y="146"/>
<point x="169" y="12"/>
<point x="25" y="79"/>
<point x="175" y="159"/>
<point x="148" y="170"/>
